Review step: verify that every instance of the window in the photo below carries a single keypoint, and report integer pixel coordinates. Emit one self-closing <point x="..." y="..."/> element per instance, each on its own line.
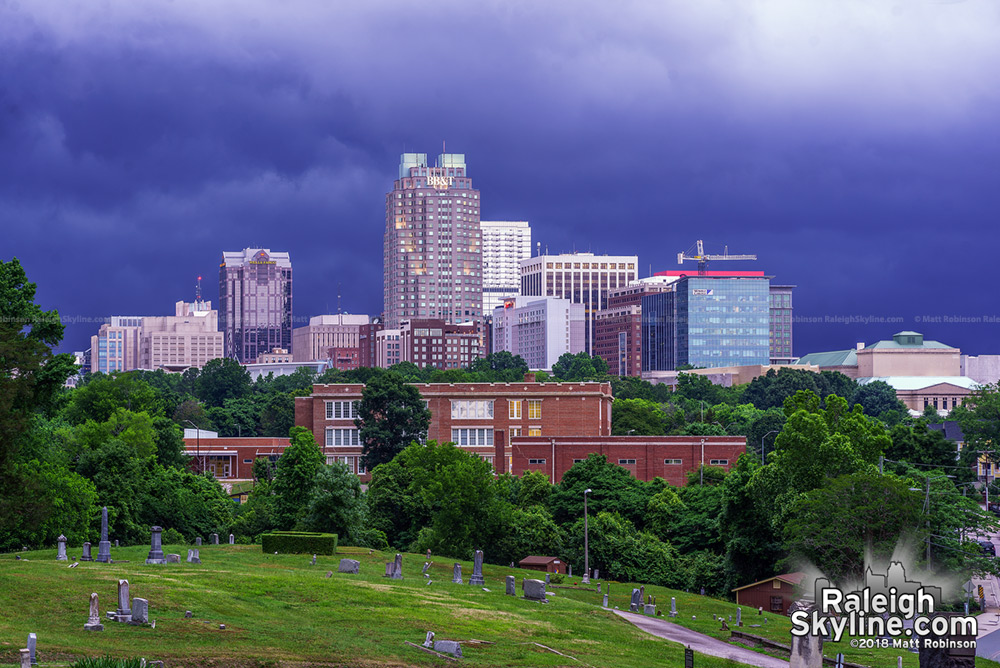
<point x="626" y="462"/>
<point x="471" y="410"/>
<point x="472" y="437"/>
<point x="248" y="461"/>
<point x="515" y="431"/>
<point x="341" y="410"/>
<point x="719" y="462"/>
<point x="514" y="410"/>
<point x="775" y="584"/>
<point x="776" y="604"/>
<point x="536" y="461"/>
<point x="534" y="409"/>
<point x="534" y="431"/>
<point x="577" y="461"/>
<point x="672" y="462"/>
<point x="342" y="437"/>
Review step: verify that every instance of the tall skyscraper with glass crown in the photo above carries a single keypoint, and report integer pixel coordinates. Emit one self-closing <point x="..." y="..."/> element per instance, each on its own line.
<point x="432" y="253"/>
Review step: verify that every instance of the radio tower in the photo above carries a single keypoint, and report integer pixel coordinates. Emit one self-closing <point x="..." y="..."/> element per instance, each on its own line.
<point x="199" y="305"/>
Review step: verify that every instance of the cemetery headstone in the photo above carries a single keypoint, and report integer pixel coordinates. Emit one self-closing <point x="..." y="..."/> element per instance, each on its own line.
<point x="61" y="546"/>
<point x="349" y="566"/>
<point x="429" y="640"/>
<point x="155" y="555"/>
<point x="94" y="620"/>
<point x="598" y="587"/>
<point x="635" y="601"/>
<point x="807" y="652"/>
<point x="725" y="627"/>
<point x="173" y="558"/>
<point x="427" y="565"/>
<point x="25" y="658"/>
<point x="597" y="573"/>
<point x="86" y="553"/>
<point x="397" y="567"/>
<point x="188" y="614"/>
<point x="569" y="571"/>
<point x="649" y="609"/>
<point x="314" y="560"/>
<point x="116" y="542"/>
<point x="428" y="554"/>
<point x="457" y="574"/>
<point x="605" y="600"/>
<point x="232" y="539"/>
<point x="215" y="539"/>
<point x="104" y="547"/>
<point x="702" y="591"/>
<point x="739" y="616"/>
<point x="688" y="657"/>
<point x="32" y="642"/>
<point x="642" y="593"/>
<point x="673" y="606"/>
<point x="329" y="574"/>
<point x="197" y="541"/>
<point x="511" y="586"/>
<point x="534" y="590"/>
<point x="124" y="601"/>
<point x="547" y="580"/>
<point x="448" y="647"/>
<point x="193" y="557"/>
<point x="477" y="569"/>
<point x="140" y="611"/>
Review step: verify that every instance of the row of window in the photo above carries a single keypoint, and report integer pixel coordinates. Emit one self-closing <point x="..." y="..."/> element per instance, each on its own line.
<point x="631" y="462"/>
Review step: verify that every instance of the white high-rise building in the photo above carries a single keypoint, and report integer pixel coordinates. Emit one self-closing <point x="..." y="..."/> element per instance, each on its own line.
<point x="583" y="278"/>
<point x="539" y="329"/>
<point x="505" y="244"/>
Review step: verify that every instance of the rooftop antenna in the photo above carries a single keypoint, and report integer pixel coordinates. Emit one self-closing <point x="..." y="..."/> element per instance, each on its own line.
<point x="199" y="305"/>
<point x="338" y="299"/>
<point x="538" y="247"/>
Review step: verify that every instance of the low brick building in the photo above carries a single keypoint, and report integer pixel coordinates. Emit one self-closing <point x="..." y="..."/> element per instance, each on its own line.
<point x="645" y="457"/>
<point x="231" y="458"/>
<point x="774" y="594"/>
<point x="544" y="564"/>
<point x="481" y="417"/>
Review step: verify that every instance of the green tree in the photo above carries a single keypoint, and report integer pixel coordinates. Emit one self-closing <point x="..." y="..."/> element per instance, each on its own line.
<point x="394" y="508"/>
<point x="295" y="478"/>
<point x="579" y="367"/>
<point x="55" y="501"/>
<point x="104" y="395"/>
<point x="221" y="379"/>
<point x="500" y="367"/>
<point x="533" y="490"/>
<point x="391" y="415"/>
<point x="637" y="416"/>
<point x="277" y="415"/>
<point x="614" y="490"/>
<point x="878" y="397"/>
<point x="336" y="505"/>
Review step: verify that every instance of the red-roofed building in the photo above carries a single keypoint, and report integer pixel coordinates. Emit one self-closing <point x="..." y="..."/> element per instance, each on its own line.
<point x="775" y="594"/>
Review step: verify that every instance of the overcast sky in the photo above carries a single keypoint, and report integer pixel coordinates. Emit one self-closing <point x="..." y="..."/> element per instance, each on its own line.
<point x="853" y="145"/>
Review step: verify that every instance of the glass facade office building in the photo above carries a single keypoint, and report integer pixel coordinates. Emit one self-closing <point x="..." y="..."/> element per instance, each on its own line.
<point x="722" y="321"/>
<point x="657" y="332"/>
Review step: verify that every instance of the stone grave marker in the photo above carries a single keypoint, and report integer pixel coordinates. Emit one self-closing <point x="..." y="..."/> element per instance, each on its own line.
<point x="32" y="643"/>
<point x="314" y="560"/>
<point x="25" y="658"/>
<point x="452" y="647"/>
<point x="428" y="554"/>
<point x="94" y="620"/>
<point x="193" y="557"/>
<point x="329" y="574"/>
<point x="427" y="565"/>
<point x="104" y="547"/>
<point x="349" y="566"/>
<point x="739" y="616"/>
<point x="597" y="573"/>
<point x="197" y="541"/>
<point x="429" y="640"/>
<point x="457" y="574"/>
<point x="232" y="539"/>
<point x="140" y="611"/>
<point x="649" y="609"/>
<point x="477" y="569"/>
<point x="388" y="569"/>
<point x="397" y="567"/>
<point x="511" y="586"/>
<point x="215" y="539"/>
<point x="124" y="612"/>
<point x="155" y="555"/>
<point x="605" y="604"/>
<point x="61" y="547"/>
<point x="673" y="606"/>
<point x="547" y="580"/>
<point x="642" y="593"/>
<point x="807" y="652"/>
<point x="702" y="591"/>
<point x="598" y="587"/>
<point x="534" y="590"/>
<point x="86" y="553"/>
<point x="635" y="601"/>
<point x="173" y="558"/>
<point x="116" y="542"/>
<point x="569" y="570"/>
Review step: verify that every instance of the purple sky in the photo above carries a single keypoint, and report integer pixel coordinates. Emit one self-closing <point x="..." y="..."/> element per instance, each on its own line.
<point x="853" y="146"/>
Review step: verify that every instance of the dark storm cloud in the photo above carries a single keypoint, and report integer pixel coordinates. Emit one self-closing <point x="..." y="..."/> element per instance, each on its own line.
<point x="850" y="145"/>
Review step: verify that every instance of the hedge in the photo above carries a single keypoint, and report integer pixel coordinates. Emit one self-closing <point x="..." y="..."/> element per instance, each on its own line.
<point x="298" y="542"/>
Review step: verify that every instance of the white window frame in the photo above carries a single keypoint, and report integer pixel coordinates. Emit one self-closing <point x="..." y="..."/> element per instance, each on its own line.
<point x="471" y="409"/>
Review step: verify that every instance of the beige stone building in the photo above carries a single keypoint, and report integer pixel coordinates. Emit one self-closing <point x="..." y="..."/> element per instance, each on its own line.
<point x="329" y="337"/>
<point x="189" y="338"/>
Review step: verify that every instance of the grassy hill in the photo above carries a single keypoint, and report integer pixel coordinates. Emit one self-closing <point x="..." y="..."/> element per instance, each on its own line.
<point x="280" y="610"/>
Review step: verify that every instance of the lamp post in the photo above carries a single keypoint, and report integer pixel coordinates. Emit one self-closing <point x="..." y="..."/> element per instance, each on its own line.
<point x="199" y="467"/>
<point x="701" y="471"/>
<point x="586" y="543"/>
<point x="773" y="431"/>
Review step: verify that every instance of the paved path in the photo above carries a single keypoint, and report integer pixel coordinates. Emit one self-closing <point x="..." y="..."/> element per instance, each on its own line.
<point x="700" y="642"/>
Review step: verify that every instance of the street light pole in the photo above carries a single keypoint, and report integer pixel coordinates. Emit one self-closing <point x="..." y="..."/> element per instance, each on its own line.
<point x="701" y="473"/>
<point x="586" y="542"/>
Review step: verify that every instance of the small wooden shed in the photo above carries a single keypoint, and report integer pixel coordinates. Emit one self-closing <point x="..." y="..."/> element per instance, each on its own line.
<point x="774" y="594"/>
<point x="544" y="564"/>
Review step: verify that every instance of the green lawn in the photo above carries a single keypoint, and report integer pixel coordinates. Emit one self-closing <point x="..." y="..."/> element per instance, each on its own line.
<point x="278" y="609"/>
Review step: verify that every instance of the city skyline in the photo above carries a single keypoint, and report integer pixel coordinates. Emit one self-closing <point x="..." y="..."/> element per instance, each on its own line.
<point x="851" y="148"/>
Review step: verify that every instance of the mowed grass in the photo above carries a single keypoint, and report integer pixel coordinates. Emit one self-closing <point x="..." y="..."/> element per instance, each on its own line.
<point x="281" y="610"/>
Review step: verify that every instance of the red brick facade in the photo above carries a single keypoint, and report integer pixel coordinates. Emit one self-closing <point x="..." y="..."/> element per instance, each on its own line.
<point x="231" y="458"/>
<point x="645" y="457"/>
<point x="482" y="417"/>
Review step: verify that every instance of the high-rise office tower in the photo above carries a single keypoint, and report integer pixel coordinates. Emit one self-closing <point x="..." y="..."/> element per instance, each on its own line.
<point x="255" y="302"/>
<point x="583" y="278"/>
<point x="432" y="254"/>
<point x="505" y="244"/>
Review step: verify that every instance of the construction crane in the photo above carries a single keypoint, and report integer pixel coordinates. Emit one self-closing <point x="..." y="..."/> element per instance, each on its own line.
<point x="703" y="259"/>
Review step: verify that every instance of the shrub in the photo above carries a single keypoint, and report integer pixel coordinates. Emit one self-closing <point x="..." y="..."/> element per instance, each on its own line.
<point x="298" y="542"/>
<point x="172" y="537"/>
